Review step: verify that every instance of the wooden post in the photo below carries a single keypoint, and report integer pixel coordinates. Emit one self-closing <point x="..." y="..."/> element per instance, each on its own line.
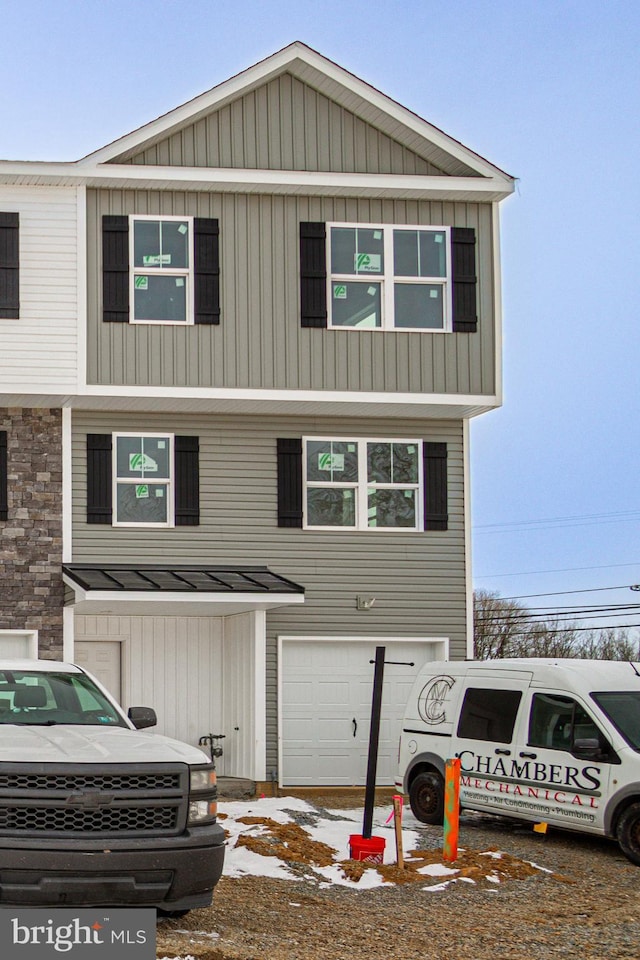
<point x="397" y="822"/>
<point x="451" y="810"/>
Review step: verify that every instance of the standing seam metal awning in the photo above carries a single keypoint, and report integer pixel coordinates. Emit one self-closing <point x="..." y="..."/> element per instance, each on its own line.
<point x="187" y="590"/>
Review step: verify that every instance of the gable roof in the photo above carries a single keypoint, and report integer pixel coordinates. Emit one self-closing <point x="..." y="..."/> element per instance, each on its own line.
<point x="336" y="83"/>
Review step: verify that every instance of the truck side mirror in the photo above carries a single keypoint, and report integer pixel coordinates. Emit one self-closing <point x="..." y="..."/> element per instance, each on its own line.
<point x="142" y="717"/>
<point x="588" y="749"/>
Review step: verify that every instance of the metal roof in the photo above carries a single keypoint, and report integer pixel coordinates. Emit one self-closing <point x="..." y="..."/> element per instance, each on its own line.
<point x="171" y="578"/>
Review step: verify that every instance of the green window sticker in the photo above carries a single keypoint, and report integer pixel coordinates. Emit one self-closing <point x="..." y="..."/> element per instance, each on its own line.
<point x="339" y="291"/>
<point x="142" y="491"/>
<point x="142" y="283"/>
<point x="141" y="461"/>
<point x="367" y="263"/>
<point x="331" y="461"/>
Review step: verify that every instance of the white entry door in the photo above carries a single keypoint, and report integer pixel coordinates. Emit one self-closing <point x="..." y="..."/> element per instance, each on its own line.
<point x="102" y="659"/>
<point x="326" y="691"/>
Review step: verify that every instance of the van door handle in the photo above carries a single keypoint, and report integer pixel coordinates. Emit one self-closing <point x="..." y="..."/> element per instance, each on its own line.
<point x="506" y="753"/>
<point x="528" y="756"/>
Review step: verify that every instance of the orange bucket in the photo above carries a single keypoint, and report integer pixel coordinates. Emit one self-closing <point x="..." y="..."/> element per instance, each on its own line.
<point x="370" y="849"/>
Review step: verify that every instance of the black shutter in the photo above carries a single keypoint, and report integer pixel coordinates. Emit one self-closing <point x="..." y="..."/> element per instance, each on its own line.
<point x="463" y="258"/>
<point x="289" y="482"/>
<point x="206" y="239"/>
<point x="187" y="474"/>
<point x="99" y="478"/>
<point x="435" y="486"/>
<point x="9" y="266"/>
<point x="115" y="269"/>
<point x="4" y="512"/>
<point x="313" y="275"/>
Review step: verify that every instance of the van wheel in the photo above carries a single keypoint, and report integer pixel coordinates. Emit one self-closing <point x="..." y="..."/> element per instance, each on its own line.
<point x="426" y="796"/>
<point x="628" y="833"/>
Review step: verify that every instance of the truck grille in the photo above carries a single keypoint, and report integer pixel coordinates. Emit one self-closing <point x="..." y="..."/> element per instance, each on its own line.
<point x="103" y="820"/>
<point x="89" y="800"/>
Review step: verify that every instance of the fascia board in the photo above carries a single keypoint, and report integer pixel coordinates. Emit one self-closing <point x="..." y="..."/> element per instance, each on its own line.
<point x="223" y="180"/>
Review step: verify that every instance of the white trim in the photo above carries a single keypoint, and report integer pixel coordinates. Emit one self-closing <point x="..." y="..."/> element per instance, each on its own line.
<point x="68" y="634"/>
<point x="67" y="486"/>
<point x="81" y="286"/>
<point x="236" y="180"/>
<point x="468" y="553"/>
<point x="30" y="635"/>
<point x="260" y="600"/>
<point x="260" y="695"/>
<point x="319" y="638"/>
<point x="497" y="295"/>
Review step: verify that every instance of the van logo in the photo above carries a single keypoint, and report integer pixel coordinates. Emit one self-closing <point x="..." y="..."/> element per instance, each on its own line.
<point x="433" y="699"/>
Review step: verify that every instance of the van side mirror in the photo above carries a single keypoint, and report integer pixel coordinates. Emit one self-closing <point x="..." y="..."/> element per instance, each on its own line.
<point x="588" y="749"/>
<point x="142" y="717"/>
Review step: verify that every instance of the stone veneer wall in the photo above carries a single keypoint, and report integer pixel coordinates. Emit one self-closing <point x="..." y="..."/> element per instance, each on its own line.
<point x="31" y="587"/>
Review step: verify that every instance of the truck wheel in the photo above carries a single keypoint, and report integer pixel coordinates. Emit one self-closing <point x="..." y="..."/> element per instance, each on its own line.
<point x="628" y="833"/>
<point x="426" y="796"/>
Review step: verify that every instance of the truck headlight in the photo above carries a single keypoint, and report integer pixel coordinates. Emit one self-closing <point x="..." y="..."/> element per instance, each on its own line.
<point x="203" y="794"/>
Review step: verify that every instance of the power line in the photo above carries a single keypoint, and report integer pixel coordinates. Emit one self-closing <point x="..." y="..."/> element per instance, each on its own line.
<point x="530" y="633"/>
<point x="564" y="593"/>
<point x="531" y="573"/>
<point x="509" y="526"/>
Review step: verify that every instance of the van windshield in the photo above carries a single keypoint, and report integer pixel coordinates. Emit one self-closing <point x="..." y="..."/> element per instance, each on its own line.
<point x="623" y="709"/>
<point x="36" y="698"/>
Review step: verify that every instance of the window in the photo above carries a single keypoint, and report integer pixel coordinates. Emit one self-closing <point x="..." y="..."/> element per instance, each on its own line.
<point x="162" y="254"/>
<point x="363" y="484"/>
<point x="489" y="715"/>
<point x="158" y="269"/>
<point x="390" y="278"/>
<point x="557" y="721"/>
<point x="143" y="480"/>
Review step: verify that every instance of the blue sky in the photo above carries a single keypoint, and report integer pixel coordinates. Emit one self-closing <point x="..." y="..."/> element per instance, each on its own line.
<point x="547" y="91"/>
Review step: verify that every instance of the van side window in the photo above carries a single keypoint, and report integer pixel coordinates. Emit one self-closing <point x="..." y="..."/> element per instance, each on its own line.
<point x="557" y="722"/>
<point x="489" y="714"/>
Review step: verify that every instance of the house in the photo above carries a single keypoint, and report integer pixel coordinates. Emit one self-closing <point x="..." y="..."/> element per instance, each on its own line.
<point x="240" y="348"/>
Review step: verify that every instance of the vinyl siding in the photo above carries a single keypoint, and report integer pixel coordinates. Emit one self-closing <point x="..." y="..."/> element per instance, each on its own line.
<point x="418" y="579"/>
<point x="286" y="125"/>
<point x="259" y="343"/>
<point x="39" y="351"/>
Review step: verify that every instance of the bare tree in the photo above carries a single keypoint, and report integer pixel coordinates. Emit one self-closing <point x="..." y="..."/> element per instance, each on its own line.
<point x="498" y="625"/>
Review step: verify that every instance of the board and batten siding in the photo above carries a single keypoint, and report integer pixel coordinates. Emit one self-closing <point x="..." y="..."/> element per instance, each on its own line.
<point x="39" y="351"/>
<point x="286" y="124"/>
<point x="418" y="579"/>
<point x="259" y="343"/>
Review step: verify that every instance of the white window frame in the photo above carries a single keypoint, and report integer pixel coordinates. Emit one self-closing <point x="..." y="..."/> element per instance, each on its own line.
<point x="362" y="485"/>
<point x="388" y="279"/>
<point x="169" y="481"/>
<point x="186" y="272"/>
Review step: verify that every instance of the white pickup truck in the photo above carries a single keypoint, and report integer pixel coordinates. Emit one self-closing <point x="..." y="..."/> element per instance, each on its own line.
<point x="92" y="810"/>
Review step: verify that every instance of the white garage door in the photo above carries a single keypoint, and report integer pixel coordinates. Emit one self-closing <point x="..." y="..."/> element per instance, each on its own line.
<point x="326" y="690"/>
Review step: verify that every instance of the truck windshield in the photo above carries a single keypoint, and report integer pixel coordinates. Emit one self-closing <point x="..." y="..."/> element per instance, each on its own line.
<point x="36" y="698"/>
<point x="623" y="709"/>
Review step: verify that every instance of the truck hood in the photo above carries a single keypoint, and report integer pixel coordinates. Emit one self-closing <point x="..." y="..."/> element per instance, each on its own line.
<point x="83" y="744"/>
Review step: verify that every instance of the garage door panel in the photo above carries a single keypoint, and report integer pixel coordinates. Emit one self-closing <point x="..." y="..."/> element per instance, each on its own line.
<point x="338" y="687"/>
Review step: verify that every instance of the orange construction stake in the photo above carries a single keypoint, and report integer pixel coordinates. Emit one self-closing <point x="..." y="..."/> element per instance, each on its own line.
<point x="451" y="810"/>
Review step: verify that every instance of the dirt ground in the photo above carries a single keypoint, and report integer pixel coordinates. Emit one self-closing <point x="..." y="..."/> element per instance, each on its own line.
<point x="544" y="897"/>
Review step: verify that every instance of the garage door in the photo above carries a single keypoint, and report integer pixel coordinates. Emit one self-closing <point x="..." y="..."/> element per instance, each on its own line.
<point x="326" y="689"/>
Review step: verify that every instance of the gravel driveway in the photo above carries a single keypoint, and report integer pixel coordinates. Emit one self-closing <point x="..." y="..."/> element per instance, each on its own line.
<point x="587" y="906"/>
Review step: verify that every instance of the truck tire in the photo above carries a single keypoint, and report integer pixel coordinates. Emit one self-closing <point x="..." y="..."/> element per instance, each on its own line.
<point x="628" y="833"/>
<point x="426" y="796"/>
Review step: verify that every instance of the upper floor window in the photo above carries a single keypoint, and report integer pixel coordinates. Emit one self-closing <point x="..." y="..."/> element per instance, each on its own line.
<point x="161" y="279"/>
<point x="390" y="278"/>
<point x="143" y="480"/>
<point x="363" y="484"/>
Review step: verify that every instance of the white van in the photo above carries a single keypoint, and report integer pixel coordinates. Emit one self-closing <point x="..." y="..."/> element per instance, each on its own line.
<point x="554" y="741"/>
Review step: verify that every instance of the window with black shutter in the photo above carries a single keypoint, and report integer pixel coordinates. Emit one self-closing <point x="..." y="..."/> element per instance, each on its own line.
<point x="289" y="452"/>
<point x="143" y="480"/>
<point x="160" y="270"/>
<point x="463" y="257"/>
<point x="9" y="266"/>
<point x="313" y="275"/>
